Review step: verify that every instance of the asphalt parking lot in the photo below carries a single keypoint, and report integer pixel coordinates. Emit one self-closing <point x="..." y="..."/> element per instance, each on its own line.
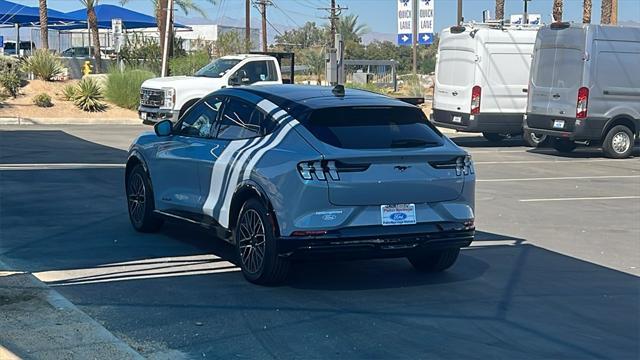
<point x="553" y="273"/>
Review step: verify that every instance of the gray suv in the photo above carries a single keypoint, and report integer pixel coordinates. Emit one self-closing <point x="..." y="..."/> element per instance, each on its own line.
<point x="288" y="172"/>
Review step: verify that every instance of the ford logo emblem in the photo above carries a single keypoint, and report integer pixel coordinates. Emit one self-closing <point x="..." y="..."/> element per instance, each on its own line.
<point x="398" y="216"/>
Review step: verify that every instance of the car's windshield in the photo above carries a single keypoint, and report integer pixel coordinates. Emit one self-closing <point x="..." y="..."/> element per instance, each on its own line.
<point x="217" y="68"/>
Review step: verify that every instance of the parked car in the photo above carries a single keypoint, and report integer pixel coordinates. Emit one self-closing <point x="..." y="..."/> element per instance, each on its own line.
<point x="169" y="97"/>
<point x="25" y="46"/>
<point x="585" y="87"/>
<point x="83" y="51"/>
<point x="290" y="172"/>
<point x="482" y="72"/>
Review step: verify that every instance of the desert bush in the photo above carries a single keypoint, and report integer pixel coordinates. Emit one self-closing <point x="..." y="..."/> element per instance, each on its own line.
<point x="43" y="65"/>
<point x="189" y="64"/>
<point x="43" y="100"/>
<point x="123" y="87"/>
<point x="10" y="75"/>
<point x="88" y="96"/>
<point x="69" y="92"/>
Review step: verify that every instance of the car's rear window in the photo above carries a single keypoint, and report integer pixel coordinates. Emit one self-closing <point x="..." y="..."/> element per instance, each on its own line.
<point x="372" y="127"/>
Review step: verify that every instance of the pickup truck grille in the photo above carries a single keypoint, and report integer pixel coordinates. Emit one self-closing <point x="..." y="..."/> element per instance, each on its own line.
<point x="151" y="97"/>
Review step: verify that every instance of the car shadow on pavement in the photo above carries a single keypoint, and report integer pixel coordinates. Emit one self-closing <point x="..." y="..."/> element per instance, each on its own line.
<point x="477" y="141"/>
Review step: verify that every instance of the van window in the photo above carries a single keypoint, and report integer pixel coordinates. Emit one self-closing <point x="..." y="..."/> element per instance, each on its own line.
<point x="623" y="76"/>
<point x="509" y="69"/>
<point x="455" y="67"/>
<point x="557" y="68"/>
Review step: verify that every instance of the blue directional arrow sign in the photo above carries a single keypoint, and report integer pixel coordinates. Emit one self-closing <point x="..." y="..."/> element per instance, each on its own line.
<point x="405" y="39"/>
<point x="425" y="38"/>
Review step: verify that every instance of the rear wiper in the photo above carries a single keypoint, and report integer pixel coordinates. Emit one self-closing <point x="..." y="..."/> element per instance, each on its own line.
<point x="411" y="143"/>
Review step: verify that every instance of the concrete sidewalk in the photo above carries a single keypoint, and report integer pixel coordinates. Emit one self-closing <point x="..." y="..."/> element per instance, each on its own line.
<point x="68" y="121"/>
<point x="37" y="322"/>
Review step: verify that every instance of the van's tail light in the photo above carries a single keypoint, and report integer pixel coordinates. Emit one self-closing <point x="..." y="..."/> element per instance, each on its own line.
<point x="321" y="170"/>
<point x="583" y="103"/>
<point x="476" y="94"/>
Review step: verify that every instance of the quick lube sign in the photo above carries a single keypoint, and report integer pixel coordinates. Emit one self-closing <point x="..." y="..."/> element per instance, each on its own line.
<point x="405" y="22"/>
<point x="406" y="17"/>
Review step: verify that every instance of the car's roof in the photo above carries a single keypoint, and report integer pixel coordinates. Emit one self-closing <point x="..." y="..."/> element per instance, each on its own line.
<point x="315" y="97"/>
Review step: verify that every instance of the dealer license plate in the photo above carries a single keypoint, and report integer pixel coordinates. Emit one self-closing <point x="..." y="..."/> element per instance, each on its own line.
<point x="401" y="214"/>
<point x="457" y="119"/>
<point x="558" y="124"/>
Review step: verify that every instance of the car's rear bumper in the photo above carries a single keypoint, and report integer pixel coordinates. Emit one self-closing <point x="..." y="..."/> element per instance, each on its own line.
<point x="377" y="241"/>
<point x="503" y="123"/>
<point x="585" y="129"/>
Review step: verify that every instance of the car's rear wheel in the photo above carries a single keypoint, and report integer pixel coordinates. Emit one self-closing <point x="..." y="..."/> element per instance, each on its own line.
<point x="618" y="143"/>
<point x="434" y="260"/>
<point x="494" y="137"/>
<point x="256" y="245"/>
<point x="533" y="139"/>
<point x="140" y="201"/>
<point x="564" y="146"/>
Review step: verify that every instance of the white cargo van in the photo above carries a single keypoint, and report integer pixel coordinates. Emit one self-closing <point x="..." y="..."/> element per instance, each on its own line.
<point x="585" y="87"/>
<point x="482" y="72"/>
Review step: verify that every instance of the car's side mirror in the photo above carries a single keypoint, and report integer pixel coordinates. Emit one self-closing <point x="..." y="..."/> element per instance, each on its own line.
<point x="163" y="128"/>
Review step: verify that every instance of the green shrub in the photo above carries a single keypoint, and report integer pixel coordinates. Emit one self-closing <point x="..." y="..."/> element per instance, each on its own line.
<point x="88" y="96"/>
<point x="141" y="52"/>
<point x="189" y="64"/>
<point x="10" y="75"/>
<point x="43" y="100"/>
<point x="43" y="65"/>
<point x="123" y="87"/>
<point x="69" y="92"/>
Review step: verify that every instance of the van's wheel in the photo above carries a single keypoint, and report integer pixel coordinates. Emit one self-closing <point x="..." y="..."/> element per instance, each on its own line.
<point x="564" y="146"/>
<point x="434" y="260"/>
<point x="494" y="137"/>
<point x="533" y="139"/>
<point x="256" y="245"/>
<point x="140" y="201"/>
<point x="618" y="143"/>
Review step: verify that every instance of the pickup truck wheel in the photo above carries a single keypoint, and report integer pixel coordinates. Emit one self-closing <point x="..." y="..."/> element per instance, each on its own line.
<point x="256" y="246"/>
<point x="564" y="146"/>
<point x="140" y="201"/>
<point x="435" y="260"/>
<point x="494" y="137"/>
<point x="618" y="143"/>
<point x="533" y="139"/>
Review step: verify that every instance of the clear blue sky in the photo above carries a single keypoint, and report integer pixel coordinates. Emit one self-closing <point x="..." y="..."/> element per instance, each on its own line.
<point x="379" y="15"/>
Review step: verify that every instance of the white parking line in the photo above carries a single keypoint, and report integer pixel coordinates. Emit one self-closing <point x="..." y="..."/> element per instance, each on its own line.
<point x="59" y="166"/>
<point x="569" y="161"/>
<point x="561" y="178"/>
<point x="582" y="198"/>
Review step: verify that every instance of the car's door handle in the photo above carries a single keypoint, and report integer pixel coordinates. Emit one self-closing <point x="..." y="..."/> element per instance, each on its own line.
<point x="525" y="90"/>
<point x="555" y="96"/>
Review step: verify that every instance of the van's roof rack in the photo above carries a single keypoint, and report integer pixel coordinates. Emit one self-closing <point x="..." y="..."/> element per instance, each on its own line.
<point x="500" y="24"/>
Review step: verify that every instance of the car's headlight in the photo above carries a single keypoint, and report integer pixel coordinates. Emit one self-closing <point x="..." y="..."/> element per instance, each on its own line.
<point x="169" y="98"/>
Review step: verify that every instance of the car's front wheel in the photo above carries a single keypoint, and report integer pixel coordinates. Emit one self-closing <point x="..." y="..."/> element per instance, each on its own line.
<point x="434" y="260"/>
<point x="256" y="245"/>
<point x="140" y="201"/>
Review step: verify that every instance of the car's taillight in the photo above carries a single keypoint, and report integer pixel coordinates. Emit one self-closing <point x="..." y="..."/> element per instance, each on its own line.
<point x="476" y="93"/>
<point x="324" y="169"/>
<point x="583" y="103"/>
<point x="462" y="164"/>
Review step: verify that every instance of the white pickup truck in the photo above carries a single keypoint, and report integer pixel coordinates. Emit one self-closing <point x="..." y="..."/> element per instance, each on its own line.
<point x="169" y="97"/>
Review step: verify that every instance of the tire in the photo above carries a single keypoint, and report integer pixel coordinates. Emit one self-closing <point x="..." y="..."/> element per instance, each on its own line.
<point x="494" y="137"/>
<point x="564" y="146"/>
<point x="618" y="143"/>
<point x="534" y="140"/>
<point x="434" y="261"/>
<point x="254" y="234"/>
<point x="140" y="201"/>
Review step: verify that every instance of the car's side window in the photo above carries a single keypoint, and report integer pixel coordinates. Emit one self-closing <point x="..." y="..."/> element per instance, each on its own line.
<point x="257" y="71"/>
<point x="241" y="120"/>
<point x="200" y="119"/>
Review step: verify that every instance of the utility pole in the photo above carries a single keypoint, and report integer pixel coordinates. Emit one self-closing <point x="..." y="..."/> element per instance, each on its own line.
<point x="247" y="25"/>
<point x="334" y="15"/>
<point x="167" y="35"/>
<point x="263" y="11"/>
<point x="460" y="19"/>
<point x="414" y="13"/>
<point x="334" y="71"/>
<point x="525" y="16"/>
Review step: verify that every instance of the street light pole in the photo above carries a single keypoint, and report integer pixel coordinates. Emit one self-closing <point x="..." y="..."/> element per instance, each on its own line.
<point x="247" y="25"/>
<point x="414" y="14"/>
<point x="460" y="19"/>
<point x="167" y="35"/>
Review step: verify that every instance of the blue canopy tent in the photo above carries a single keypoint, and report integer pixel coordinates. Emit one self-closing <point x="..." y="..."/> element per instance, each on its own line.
<point x="16" y="14"/>
<point x="130" y="19"/>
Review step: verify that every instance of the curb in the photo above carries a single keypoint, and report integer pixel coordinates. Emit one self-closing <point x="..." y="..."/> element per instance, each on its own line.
<point x="58" y="329"/>
<point x="68" y="121"/>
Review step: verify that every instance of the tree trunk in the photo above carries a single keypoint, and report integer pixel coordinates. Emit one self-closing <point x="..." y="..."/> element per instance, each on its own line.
<point x="605" y="17"/>
<point x="95" y="38"/>
<point x="499" y="9"/>
<point x="557" y="10"/>
<point x="586" y="12"/>
<point x="44" y="25"/>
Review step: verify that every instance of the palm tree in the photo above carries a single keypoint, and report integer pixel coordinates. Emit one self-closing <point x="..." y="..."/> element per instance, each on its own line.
<point x="44" y="27"/>
<point x="350" y="29"/>
<point x="557" y="10"/>
<point x="93" y="26"/>
<point x="605" y="16"/>
<point x="499" y="9"/>
<point x="586" y="12"/>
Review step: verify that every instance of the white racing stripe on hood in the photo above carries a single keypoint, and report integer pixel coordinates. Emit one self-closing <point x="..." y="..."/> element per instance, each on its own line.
<point x="217" y="175"/>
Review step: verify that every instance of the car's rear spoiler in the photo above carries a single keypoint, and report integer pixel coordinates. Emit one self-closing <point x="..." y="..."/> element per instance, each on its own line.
<point x="412" y="100"/>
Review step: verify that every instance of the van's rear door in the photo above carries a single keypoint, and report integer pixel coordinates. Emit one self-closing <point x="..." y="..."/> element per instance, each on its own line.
<point x="455" y="73"/>
<point x="556" y="74"/>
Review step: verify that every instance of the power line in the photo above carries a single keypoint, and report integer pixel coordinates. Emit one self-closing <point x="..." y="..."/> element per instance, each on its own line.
<point x="285" y="14"/>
